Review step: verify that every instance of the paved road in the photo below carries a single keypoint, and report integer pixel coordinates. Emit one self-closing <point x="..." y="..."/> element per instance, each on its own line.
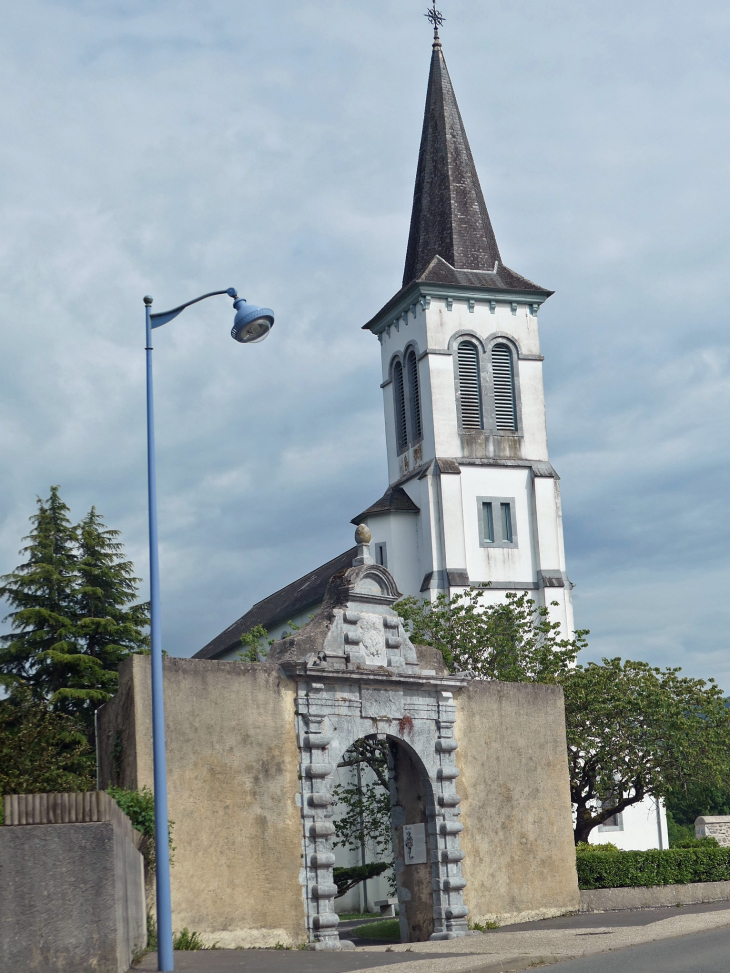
<point x="280" y="961"/>
<point x="616" y="920"/>
<point x="694" y="939"/>
<point x="705" y="952"/>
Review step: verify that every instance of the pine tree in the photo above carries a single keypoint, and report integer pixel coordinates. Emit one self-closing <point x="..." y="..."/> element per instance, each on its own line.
<point x="74" y="619"/>
<point x="43" y="593"/>
<point x="109" y="627"/>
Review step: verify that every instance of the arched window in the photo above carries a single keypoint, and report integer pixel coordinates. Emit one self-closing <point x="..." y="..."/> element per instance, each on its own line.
<point x="414" y="396"/>
<point x="504" y="388"/>
<point x="401" y="432"/>
<point x="469" y="386"/>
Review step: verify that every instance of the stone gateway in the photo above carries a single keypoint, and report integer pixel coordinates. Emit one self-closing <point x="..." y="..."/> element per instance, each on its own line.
<point x="480" y="801"/>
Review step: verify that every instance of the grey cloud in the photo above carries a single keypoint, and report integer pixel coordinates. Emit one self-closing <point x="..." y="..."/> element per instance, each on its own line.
<point x="173" y="149"/>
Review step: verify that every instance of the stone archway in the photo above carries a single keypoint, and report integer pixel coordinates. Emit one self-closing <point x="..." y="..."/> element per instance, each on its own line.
<point x="333" y="711"/>
<point x="357" y="674"/>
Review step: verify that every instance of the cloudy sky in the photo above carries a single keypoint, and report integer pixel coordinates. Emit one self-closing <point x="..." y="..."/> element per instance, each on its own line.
<point x="174" y="148"/>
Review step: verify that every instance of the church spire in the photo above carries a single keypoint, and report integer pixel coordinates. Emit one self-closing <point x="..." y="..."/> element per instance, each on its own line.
<point x="449" y="217"/>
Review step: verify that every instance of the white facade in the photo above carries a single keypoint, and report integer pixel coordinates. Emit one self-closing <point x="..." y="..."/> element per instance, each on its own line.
<point x="441" y="547"/>
<point x="640" y="827"/>
<point x="450" y="471"/>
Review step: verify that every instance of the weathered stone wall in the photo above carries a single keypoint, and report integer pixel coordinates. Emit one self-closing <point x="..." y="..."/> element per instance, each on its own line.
<point x="232" y="767"/>
<point x="715" y="826"/>
<point x="515" y="802"/>
<point x="241" y="811"/>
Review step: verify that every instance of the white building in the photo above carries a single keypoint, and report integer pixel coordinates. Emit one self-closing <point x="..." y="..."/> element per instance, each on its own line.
<point x="472" y="497"/>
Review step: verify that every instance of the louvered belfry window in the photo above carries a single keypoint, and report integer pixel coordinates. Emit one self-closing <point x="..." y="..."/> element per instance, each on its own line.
<point x="401" y="431"/>
<point x="470" y="386"/>
<point x="504" y="388"/>
<point x="414" y="395"/>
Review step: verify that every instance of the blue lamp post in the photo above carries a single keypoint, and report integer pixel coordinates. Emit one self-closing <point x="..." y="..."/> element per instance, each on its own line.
<point x="251" y="324"/>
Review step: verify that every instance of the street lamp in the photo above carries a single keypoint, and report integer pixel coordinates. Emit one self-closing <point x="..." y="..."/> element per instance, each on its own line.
<point x="251" y="324"/>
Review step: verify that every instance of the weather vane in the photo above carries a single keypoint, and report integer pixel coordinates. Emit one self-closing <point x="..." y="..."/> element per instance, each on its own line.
<point x="436" y="18"/>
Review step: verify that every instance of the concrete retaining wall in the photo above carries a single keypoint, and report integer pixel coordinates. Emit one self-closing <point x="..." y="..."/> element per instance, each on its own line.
<point x="73" y="893"/>
<point x="613" y="900"/>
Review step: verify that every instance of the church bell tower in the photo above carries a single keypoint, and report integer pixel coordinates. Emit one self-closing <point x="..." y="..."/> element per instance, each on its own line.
<point x="472" y="496"/>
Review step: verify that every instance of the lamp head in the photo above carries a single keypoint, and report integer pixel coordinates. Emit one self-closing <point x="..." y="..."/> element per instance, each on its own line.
<point x="251" y="323"/>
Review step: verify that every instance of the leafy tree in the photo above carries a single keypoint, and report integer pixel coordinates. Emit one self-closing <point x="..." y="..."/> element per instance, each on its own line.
<point x="365" y="821"/>
<point x="73" y="620"/>
<point x="635" y="731"/>
<point x="692" y="800"/>
<point x="42" y="750"/>
<point x="513" y="641"/>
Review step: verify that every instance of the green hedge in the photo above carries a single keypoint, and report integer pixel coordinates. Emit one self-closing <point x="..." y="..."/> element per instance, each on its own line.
<point x="675" y="866"/>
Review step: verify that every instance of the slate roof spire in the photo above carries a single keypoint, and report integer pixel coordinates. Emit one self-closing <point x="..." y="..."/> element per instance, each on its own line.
<point x="449" y="217"/>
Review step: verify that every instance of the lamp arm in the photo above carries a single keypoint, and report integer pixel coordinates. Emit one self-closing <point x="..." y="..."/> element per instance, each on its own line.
<point x="164" y="316"/>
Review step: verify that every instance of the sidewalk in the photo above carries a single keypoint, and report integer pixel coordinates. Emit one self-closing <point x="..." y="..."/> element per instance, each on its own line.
<point x="511" y="948"/>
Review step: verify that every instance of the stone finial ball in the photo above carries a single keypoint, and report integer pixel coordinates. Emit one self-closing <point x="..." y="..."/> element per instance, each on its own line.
<point x="363" y="535"/>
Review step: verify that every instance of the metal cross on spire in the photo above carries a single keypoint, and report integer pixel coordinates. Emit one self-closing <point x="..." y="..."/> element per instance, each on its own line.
<point x="436" y="18"/>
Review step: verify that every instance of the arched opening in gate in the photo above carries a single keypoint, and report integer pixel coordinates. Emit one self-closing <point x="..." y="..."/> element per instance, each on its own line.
<point x="383" y="798"/>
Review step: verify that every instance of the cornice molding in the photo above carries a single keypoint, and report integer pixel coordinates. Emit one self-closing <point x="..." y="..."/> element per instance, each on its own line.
<point x="420" y="295"/>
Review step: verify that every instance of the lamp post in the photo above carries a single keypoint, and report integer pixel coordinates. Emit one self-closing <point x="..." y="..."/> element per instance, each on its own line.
<point x="251" y="324"/>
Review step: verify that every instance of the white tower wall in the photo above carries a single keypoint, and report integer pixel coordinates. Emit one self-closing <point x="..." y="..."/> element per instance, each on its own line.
<point x="448" y="470"/>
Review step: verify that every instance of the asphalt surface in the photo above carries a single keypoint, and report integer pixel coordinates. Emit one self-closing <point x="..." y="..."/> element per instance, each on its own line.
<point x="704" y="952"/>
<point x="282" y="961"/>
<point x="618" y="920"/>
<point x="520" y="946"/>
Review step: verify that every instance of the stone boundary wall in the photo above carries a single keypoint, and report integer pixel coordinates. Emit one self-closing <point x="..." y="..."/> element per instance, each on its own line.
<point x="614" y="900"/>
<point x="714" y="826"/>
<point x="73" y="884"/>
<point x="73" y="808"/>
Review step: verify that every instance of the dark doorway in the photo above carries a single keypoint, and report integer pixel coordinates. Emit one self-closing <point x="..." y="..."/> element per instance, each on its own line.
<point x="411" y="796"/>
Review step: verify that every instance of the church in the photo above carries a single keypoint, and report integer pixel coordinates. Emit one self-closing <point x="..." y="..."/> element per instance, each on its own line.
<point x="472" y="497"/>
<point x="478" y="778"/>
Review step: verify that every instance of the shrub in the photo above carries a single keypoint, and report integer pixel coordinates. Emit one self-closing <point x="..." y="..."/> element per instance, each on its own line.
<point x="139" y="806"/>
<point x="705" y="862"/>
<point x="584" y="848"/>
<point x="693" y="842"/>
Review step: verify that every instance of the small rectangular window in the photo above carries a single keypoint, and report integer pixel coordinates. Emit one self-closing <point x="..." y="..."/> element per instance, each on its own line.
<point x="614" y="823"/>
<point x="506" y="522"/>
<point x="381" y="555"/>
<point x="497" y="522"/>
<point x="487" y="523"/>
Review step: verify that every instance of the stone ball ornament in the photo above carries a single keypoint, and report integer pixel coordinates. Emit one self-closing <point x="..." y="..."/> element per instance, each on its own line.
<point x="362" y="534"/>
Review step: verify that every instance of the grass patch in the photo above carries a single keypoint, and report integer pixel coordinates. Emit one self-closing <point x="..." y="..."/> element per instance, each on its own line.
<point x="348" y="916"/>
<point x="185" y="939"/>
<point x="386" y="929"/>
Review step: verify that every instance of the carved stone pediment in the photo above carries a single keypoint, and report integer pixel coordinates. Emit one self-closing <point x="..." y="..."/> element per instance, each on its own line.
<point x="356" y="627"/>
